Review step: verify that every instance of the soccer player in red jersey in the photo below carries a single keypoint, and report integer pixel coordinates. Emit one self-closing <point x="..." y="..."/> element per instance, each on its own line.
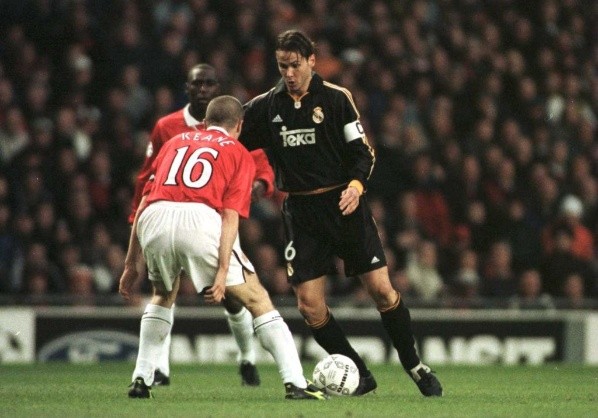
<point x="202" y="86"/>
<point x="188" y="221"/>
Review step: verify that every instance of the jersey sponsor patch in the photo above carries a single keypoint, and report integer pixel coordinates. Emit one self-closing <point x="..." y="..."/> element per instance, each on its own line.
<point x="297" y="137"/>
<point x="353" y="131"/>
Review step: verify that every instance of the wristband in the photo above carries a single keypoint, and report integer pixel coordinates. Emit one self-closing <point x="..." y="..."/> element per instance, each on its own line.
<point x="357" y="184"/>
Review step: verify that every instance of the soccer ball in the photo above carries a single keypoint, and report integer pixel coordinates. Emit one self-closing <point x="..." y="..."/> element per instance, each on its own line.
<point x="336" y="375"/>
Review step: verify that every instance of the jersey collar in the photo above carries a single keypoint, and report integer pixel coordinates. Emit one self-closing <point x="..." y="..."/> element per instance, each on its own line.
<point x="217" y="128"/>
<point x="190" y="121"/>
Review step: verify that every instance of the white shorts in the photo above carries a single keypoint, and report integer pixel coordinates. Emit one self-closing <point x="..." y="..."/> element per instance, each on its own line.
<point x="185" y="237"/>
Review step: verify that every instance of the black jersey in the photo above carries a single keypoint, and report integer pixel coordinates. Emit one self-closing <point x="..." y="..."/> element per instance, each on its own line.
<point x="315" y="142"/>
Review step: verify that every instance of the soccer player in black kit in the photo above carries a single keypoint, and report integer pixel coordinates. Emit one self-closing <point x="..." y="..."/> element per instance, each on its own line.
<point x="322" y="158"/>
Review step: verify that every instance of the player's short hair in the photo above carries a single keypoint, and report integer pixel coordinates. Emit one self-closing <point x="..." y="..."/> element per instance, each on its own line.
<point x="199" y="67"/>
<point x="225" y="111"/>
<point x="295" y="41"/>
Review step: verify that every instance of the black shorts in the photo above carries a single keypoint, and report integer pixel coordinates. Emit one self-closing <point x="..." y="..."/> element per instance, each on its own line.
<point x="316" y="231"/>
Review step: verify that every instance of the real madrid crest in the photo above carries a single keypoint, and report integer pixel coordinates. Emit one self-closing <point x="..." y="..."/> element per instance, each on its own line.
<point x="290" y="270"/>
<point x="318" y="115"/>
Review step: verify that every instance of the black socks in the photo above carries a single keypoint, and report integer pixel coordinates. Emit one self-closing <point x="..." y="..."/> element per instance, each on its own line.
<point x="331" y="338"/>
<point x="397" y="322"/>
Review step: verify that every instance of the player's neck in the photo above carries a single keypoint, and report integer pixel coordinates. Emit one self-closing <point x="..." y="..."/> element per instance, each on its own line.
<point x="299" y="93"/>
<point x="296" y="95"/>
<point x="198" y="114"/>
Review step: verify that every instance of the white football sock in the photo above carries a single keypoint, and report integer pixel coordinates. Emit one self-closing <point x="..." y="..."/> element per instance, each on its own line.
<point x="155" y="326"/>
<point x="164" y="360"/>
<point x="414" y="371"/>
<point x="241" y="326"/>
<point x="276" y="338"/>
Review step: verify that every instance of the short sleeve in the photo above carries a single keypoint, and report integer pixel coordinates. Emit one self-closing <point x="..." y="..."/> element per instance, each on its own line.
<point x="238" y="192"/>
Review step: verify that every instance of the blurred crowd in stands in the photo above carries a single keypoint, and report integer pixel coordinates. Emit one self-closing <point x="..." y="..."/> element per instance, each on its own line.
<point x="483" y="115"/>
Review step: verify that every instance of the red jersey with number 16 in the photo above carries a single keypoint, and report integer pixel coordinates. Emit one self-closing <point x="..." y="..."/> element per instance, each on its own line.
<point x="177" y="123"/>
<point x="205" y="166"/>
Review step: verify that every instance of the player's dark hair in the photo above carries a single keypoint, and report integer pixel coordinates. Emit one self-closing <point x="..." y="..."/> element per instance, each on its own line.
<point x="295" y="41"/>
<point x="224" y="111"/>
<point x="198" y="67"/>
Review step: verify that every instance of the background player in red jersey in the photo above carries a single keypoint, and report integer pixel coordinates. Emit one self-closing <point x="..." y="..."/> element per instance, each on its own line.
<point x="188" y="221"/>
<point x="201" y="87"/>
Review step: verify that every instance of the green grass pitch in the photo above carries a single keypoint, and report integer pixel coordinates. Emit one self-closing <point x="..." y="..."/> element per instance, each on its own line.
<point x="100" y="390"/>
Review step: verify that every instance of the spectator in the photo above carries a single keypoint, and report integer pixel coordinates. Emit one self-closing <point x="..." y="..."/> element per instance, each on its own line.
<point x="9" y="252"/>
<point x="515" y="96"/>
<point x="432" y="209"/>
<point x="80" y="284"/>
<point x="14" y="135"/>
<point x="423" y="273"/>
<point x="138" y="98"/>
<point x="571" y="211"/>
<point x="529" y="294"/>
<point x="466" y="281"/>
<point x="101" y="183"/>
<point x="477" y="226"/>
<point x="522" y="234"/>
<point x="464" y="187"/>
<point x="498" y="276"/>
<point x="562" y="261"/>
<point x="37" y="261"/>
<point x="36" y="285"/>
<point x="70" y="134"/>
<point x="409" y="231"/>
<point x="108" y="269"/>
<point x="32" y="191"/>
<point x="573" y="292"/>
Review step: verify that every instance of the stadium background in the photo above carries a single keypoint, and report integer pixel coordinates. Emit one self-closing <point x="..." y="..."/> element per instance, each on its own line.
<point x="482" y="114"/>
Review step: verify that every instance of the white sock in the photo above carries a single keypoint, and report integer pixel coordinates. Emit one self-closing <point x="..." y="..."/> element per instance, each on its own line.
<point x="164" y="360"/>
<point x="276" y="338"/>
<point x="414" y="371"/>
<point x="241" y="326"/>
<point x="155" y="326"/>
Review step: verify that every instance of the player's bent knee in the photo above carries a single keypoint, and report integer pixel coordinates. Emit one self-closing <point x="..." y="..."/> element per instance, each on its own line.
<point x="253" y="296"/>
<point x="163" y="296"/>
<point x="313" y="313"/>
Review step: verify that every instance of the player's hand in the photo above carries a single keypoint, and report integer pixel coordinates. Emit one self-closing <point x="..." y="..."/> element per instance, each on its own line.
<point x="349" y="200"/>
<point x="258" y="190"/>
<point x="215" y="294"/>
<point x="127" y="280"/>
